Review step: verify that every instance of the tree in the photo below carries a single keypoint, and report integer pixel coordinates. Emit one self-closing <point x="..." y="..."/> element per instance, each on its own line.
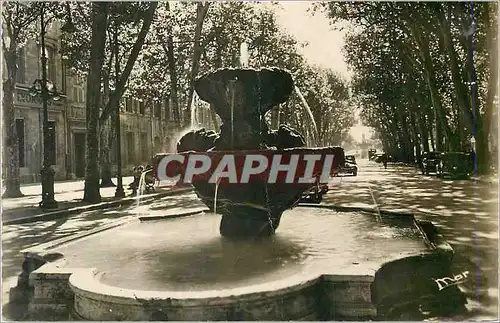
<point x="201" y="13"/>
<point x="18" y="20"/>
<point x="412" y="64"/>
<point x="97" y="50"/>
<point x="131" y="21"/>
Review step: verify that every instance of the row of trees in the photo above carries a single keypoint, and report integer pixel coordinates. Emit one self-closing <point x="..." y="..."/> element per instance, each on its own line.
<point x="154" y="51"/>
<point x="425" y="74"/>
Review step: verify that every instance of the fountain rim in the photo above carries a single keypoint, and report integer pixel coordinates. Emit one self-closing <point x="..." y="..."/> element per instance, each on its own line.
<point x="86" y="281"/>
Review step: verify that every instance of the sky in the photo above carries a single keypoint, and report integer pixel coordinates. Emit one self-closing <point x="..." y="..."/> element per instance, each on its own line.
<point x="324" y="43"/>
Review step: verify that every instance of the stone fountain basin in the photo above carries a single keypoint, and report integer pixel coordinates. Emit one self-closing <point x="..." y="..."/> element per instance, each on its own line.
<point x="323" y="263"/>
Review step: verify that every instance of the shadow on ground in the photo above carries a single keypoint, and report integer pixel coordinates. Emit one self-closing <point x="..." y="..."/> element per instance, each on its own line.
<point x="465" y="211"/>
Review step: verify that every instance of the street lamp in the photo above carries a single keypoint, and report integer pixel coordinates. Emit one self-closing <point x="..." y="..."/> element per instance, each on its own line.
<point x="120" y="193"/>
<point x="47" y="90"/>
<point x="470" y="34"/>
<point x="36" y="89"/>
<point x="47" y="173"/>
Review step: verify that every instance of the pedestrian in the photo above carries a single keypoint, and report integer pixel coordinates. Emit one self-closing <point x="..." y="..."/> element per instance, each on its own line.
<point x="384" y="160"/>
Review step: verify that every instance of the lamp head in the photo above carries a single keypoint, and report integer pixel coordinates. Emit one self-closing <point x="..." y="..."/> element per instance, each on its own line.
<point x="53" y="92"/>
<point x="69" y="27"/>
<point x="36" y="87"/>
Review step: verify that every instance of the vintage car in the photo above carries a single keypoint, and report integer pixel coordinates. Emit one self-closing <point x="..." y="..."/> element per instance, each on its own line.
<point x="430" y="162"/>
<point x="350" y="166"/>
<point x="379" y="158"/>
<point x="455" y="165"/>
<point x="315" y="194"/>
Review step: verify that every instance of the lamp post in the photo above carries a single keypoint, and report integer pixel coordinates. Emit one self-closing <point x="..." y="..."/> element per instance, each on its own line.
<point x="48" y="90"/>
<point x="473" y="82"/>
<point x="47" y="173"/>
<point x="119" y="181"/>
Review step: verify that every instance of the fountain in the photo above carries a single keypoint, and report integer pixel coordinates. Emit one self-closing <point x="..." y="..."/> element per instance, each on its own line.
<point x="241" y="97"/>
<point x="324" y="263"/>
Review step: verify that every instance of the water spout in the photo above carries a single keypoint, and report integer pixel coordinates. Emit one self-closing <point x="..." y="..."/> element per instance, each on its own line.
<point x="309" y="112"/>
<point x="215" y="196"/>
<point x="232" y="113"/>
<point x="192" y="109"/>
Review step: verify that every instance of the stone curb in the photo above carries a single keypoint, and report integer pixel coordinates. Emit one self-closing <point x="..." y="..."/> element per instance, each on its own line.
<point x="172" y="216"/>
<point x="92" y="207"/>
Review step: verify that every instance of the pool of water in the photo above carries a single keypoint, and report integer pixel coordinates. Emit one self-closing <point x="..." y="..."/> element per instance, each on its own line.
<point x="188" y="254"/>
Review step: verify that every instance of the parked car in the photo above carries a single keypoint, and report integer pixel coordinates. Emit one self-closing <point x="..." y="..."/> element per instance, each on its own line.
<point x="380" y="157"/>
<point x="371" y="154"/>
<point x="455" y="165"/>
<point x="430" y="162"/>
<point x="314" y="194"/>
<point x="350" y="166"/>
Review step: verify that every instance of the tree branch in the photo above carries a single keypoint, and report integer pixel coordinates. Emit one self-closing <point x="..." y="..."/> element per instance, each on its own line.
<point x="120" y="86"/>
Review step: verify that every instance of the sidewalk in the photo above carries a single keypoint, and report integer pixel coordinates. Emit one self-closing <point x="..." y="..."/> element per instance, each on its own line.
<point x="69" y="197"/>
<point x="491" y="178"/>
<point x="66" y="191"/>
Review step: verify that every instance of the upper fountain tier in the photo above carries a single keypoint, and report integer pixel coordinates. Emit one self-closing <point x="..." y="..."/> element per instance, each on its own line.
<point x="248" y="91"/>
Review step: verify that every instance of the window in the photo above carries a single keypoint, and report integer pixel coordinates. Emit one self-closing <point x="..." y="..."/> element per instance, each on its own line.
<point x="64" y="72"/>
<point x="130" y="148"/>
<point x="51" y="144"/>
<point x="78" y="95"/>
<point x="129" y="105"/>
<point x="21" y="67"/>
<point x="142" y="108"/>
<point x="136" y="105"/>
<point x="20" y="140"/>
<point x="157" y="109"/>
<point x="157" y="143"/>
<point x="51" y="64"/>
<point x="144" y="146"/>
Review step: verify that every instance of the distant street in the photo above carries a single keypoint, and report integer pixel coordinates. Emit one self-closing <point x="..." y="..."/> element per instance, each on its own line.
<point x="465" y="212"/>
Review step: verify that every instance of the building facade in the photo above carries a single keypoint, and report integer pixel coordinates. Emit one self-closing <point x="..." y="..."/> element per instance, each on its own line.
<point x="145" y="130"/>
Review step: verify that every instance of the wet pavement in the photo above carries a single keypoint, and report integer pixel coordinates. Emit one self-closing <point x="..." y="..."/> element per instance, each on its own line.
<point x="466" y="212"/>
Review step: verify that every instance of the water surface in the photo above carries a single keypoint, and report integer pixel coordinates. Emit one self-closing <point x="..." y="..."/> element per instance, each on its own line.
<point x="188" y="254"/>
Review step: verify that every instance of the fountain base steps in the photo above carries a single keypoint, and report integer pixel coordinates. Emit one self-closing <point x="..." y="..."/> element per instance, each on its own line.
<point x="66" y="288"/>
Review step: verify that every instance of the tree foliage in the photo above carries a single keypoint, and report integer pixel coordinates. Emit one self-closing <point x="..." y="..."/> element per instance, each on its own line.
<point x="413" y="68"/>
<point x="167" y="61"/>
